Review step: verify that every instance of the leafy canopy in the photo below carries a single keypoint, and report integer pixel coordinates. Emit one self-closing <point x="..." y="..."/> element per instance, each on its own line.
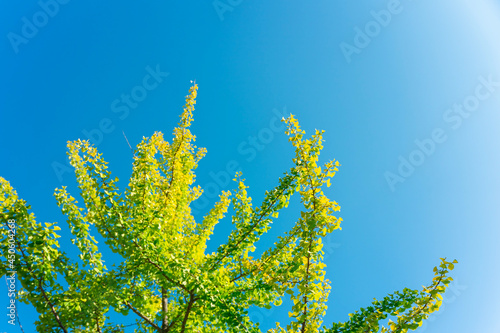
<point x="165" y="278"/>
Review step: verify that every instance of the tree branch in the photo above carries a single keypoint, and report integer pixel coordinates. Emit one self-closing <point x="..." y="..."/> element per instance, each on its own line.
<point x="137" y="312"/>
<point x="98" y="327"/>
<point x="188" y="310"/>
<point x="51" y="307"/>
<point x="227" y="252"/>
<point x="307" y="284"/>
<point x="164" y="307"/>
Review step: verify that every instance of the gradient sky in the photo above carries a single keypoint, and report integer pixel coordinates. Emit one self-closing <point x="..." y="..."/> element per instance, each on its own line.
<point x="420" y="85"/>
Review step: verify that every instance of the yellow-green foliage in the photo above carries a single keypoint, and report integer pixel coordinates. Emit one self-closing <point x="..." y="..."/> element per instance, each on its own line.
<point x="166" y="279"/>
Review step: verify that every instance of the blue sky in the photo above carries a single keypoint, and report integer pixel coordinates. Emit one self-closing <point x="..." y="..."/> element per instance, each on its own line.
<point x="408" y="93"/>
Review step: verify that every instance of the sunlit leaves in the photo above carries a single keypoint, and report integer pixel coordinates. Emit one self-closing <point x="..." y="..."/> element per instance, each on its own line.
<point x="410" y="307"/>
<point x="166" y="280"/>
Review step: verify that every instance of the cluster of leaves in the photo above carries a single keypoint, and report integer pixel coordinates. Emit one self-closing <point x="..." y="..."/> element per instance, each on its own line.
<point x="410" y="307"/>
<point x="166" y="279"/>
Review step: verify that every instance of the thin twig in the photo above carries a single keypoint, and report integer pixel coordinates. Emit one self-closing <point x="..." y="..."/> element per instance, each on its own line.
<point x="51" y="307"/>
<point x="128" y="142"/>
<point x="137" y="312"/>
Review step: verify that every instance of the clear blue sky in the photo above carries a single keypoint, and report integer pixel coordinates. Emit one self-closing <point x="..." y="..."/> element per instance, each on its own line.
<point x="408" y="93"/>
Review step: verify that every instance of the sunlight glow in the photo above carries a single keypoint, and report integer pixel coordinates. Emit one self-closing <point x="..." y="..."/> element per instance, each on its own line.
<point x="486" y="18"/>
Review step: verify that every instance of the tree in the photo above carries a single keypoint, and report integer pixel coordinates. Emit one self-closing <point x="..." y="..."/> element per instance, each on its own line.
<point x="166" y="279"/>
